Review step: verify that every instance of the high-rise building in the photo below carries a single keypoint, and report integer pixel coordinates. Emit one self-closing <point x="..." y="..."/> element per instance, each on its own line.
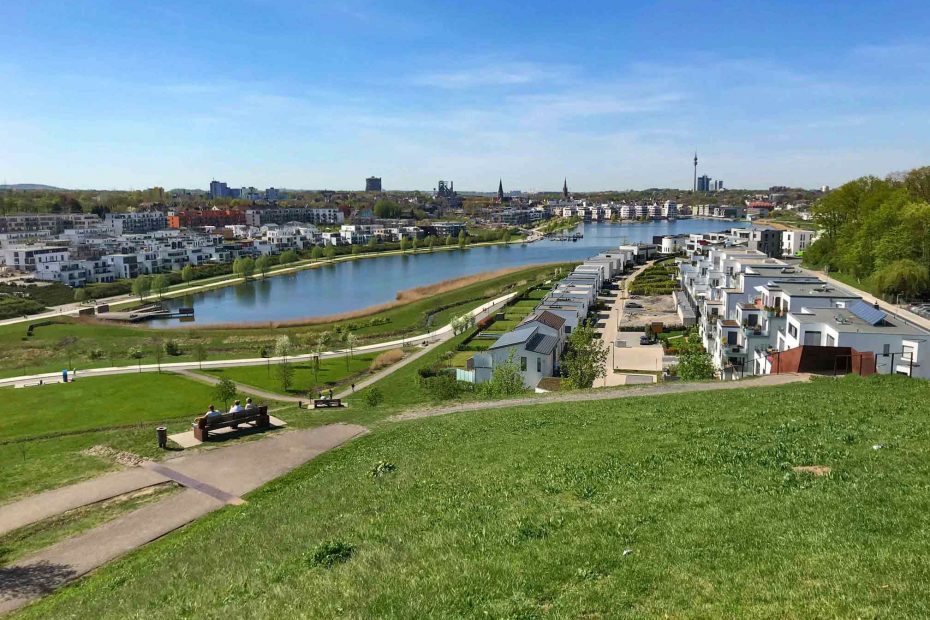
<point x="218" y="189"/>
<point x="373" y="184"/>
<point x="703" y="183"/>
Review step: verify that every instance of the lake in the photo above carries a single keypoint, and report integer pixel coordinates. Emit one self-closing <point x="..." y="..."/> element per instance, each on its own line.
<point x="353" y="285"/>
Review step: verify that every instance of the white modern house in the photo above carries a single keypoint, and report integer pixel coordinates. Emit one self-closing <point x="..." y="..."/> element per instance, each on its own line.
<point x="795" y="242"/>
<point x="758" y="315"/>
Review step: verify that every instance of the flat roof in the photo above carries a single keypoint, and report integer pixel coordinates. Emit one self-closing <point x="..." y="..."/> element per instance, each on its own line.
<point x="842" y="320"/>
<point x="810" y="289"/>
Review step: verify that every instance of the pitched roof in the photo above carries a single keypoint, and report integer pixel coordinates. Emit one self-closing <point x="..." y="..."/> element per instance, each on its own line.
<point x="515" y="337"/>
<point x="547" y="318"/>
<point x="542" y="344"/>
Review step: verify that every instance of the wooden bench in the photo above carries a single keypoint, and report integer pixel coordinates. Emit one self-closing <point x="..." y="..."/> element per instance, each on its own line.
<point x="323" y="403"/>
<point x="257" y="416"/>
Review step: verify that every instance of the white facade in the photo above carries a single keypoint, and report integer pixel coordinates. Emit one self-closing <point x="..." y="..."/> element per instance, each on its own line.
<point x="796" y="241"/>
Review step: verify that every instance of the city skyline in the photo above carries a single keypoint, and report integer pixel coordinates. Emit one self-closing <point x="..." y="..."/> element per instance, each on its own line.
<point x="174" y="94"/>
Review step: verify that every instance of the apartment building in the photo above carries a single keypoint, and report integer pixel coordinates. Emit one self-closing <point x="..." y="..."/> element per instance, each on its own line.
<point x="757" y="315"/>
<point x="283" y="215"/>
<point x="55" y="223"/>
<point x="136" y="222"/>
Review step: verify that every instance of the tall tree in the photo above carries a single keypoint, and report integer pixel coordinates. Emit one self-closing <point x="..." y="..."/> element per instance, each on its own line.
<point x="141" y="286"/>
<point x="585" y="359"/>
<point x="262" y="264"/>
<point x="187" y="274"/>
<point x="160" y="285"/>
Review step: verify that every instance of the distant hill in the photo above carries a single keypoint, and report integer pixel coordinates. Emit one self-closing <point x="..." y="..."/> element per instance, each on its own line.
<point x="28" y="186"/>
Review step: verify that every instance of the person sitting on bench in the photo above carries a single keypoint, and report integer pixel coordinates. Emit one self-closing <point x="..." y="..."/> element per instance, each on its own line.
<point x="248" y="404"/>
<point x="236" y="408"/>
<point x="211" y="412"/>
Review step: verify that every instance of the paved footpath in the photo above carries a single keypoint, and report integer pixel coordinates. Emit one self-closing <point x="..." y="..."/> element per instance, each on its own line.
<point x="242" y="387"/>
<point x="609" y="394"/>
<point x="440" y="334"/>
<point x="212" y="479"/>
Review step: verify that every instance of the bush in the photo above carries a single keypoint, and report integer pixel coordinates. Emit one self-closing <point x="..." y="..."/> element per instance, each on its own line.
<point x="426" y="372"/>
<point x="173" y="348"/>
<point x="443" y="386"/>
<point x="108" y="289"/>
<point x="374" y="397"/>
<point x="97" y="354"/>
<point x="18" y="306"/>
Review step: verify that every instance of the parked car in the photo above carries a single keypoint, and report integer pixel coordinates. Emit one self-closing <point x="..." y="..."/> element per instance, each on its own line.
<point x="644" y="340"/>
<point x="633" y="304"/>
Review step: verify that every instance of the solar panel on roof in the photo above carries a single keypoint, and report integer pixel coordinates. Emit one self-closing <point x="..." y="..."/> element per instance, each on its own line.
<point x="867" y="312"/>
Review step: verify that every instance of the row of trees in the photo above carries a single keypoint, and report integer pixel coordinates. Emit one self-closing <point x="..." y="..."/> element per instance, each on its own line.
<point x="878" y="231"/>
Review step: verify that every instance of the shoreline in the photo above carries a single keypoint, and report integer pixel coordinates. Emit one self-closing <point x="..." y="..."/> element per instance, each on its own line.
<point x="402" y="298"/>
<point x="127" y="300"/>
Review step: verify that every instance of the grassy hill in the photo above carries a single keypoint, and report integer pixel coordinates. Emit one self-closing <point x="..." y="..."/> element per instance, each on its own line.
<point x="672" y="506"/>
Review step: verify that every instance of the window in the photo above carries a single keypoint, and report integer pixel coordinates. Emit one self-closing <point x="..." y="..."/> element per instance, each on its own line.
<point x="792" y="330"/>
<point x="752" y="320"/>
<point x="523" y="363"/>
<point x="538" y="364"/>
<point x="812" y="338"/>
<point x="731" y="337"/>
<point x="886" y="349"/>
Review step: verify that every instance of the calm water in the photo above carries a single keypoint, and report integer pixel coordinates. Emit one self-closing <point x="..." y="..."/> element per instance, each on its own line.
<point x="343" y="287"/>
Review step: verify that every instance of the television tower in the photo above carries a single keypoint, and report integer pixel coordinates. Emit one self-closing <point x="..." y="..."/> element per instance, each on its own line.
<point x="695" y="171"/>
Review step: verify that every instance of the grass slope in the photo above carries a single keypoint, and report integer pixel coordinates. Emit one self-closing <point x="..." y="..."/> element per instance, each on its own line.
<point x="673" y="506"/>
<point x="332" y="373"/>
<point x="119" y="412"/>
<point x="99" y="402"/>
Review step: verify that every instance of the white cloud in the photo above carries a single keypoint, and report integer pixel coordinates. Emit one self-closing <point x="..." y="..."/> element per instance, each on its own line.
<point x="491" y="73"/>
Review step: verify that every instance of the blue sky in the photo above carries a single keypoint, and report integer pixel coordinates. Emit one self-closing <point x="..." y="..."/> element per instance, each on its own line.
<point x="612" y="95"/>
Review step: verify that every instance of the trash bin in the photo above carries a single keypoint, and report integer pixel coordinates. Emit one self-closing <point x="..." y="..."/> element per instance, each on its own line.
<point x="162" y="433"/>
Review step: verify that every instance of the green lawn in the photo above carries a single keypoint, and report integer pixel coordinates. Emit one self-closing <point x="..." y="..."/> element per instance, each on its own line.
<point x="45" y="430"/>
<point x="332" y="373"/>
<point x="460" y="358"/>
<point x="672" y="506"/>
<point x="99" y="403"/>
<point x="79" y="344"/>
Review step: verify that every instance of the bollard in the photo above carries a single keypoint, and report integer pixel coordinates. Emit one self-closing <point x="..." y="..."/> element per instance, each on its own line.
<point x="162" y="433"/>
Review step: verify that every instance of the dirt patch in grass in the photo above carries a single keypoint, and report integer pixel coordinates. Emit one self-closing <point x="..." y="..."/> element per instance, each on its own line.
<point x="127" y="459"/>
<point x="814" y="470"/>
<point x="422" y="292"/>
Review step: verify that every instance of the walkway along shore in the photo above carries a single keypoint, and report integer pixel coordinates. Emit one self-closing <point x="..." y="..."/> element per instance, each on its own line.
<point x="438" y="335"/>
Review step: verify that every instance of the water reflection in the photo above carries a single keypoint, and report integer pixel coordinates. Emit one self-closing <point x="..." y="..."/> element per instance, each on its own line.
<point x="343" y="287"/>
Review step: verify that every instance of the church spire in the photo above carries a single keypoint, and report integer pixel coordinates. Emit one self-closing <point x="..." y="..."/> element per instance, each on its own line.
<point x="500" y="190"/>
<point x="565" y="188"/>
